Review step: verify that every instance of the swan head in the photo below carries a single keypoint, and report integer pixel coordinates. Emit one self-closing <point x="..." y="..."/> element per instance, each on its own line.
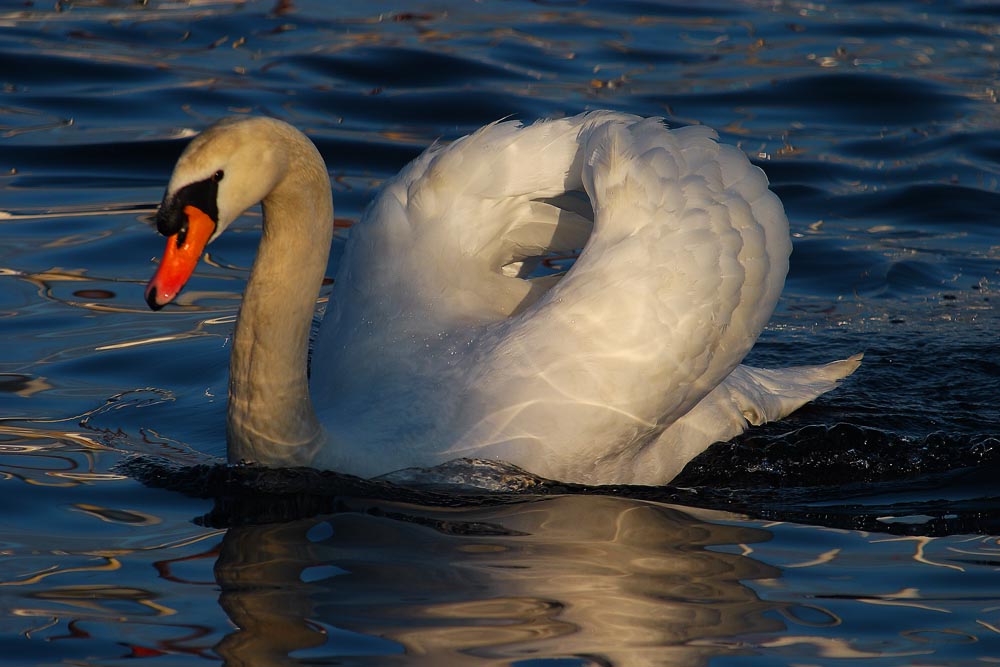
<point x="231" y="166"/>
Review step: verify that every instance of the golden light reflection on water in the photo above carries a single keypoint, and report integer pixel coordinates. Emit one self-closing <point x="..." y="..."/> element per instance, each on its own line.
<point x="105" y="564"/>
<point x="44" y="457"/>
<point x="631" y="582"/>
<point x="620" y="581"/>
<point x="93" y="583"/>
<point x="935" y="591"/>
<point x="920" y="544"/>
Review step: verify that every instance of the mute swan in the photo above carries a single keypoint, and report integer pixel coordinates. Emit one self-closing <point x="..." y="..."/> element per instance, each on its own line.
<point x="437" y="345"/>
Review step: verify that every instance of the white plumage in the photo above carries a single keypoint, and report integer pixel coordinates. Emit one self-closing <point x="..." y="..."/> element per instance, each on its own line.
<point x="437" y="345"/>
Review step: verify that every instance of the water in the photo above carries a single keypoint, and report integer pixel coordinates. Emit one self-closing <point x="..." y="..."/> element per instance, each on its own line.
<point x="862" y="530"/>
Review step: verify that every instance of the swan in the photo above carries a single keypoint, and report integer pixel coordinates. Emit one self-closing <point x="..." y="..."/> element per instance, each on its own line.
<point x="439" y="342"/>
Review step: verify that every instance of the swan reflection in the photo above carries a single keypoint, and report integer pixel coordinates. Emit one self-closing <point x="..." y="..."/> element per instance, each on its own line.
<point x="605" y="580"/>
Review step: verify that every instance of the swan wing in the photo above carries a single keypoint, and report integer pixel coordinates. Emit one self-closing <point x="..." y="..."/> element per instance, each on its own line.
<point x="682" y="270"/>
<point x="438" y="344"/>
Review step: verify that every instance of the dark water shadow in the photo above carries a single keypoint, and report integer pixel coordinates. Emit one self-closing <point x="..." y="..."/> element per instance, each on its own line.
<point x="842" y="476"/>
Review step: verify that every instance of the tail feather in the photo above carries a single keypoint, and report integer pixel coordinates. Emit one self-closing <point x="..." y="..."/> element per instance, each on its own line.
<point x="762" y="395"/>
<point x="747" y="396"/>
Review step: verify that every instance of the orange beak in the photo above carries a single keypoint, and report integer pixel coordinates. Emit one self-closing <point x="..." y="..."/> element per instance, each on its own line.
<point x="184" y="249"/>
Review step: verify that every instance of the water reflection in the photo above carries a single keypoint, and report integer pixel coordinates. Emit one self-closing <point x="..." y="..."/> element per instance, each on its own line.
<point x="606" y="580"/>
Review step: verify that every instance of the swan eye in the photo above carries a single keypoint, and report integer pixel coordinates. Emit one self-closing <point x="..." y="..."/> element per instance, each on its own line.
<point x="182" y="236"/>
<point x="217" y="176"/>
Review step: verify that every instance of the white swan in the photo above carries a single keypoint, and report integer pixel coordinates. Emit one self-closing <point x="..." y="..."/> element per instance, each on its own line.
<point x="436" y="345"/>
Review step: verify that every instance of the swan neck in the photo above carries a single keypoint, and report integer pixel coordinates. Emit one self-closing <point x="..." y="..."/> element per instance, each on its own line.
<point x="271" y="416"/>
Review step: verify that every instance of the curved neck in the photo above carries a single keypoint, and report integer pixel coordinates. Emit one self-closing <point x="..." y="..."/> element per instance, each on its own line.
<point x="271" y="419"/>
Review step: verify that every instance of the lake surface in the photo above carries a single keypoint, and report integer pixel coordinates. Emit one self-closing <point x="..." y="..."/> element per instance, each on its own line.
<point x="861" y="530"/>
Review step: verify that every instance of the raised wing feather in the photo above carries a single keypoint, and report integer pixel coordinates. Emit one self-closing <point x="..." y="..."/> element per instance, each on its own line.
<point x="674" y="285"/>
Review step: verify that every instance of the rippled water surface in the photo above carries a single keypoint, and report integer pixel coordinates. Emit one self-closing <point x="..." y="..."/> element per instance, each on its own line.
<point x="861" y="530"/>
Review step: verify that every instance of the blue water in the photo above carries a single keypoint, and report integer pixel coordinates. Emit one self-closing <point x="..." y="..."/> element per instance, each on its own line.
<point x="861" y="530"/>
